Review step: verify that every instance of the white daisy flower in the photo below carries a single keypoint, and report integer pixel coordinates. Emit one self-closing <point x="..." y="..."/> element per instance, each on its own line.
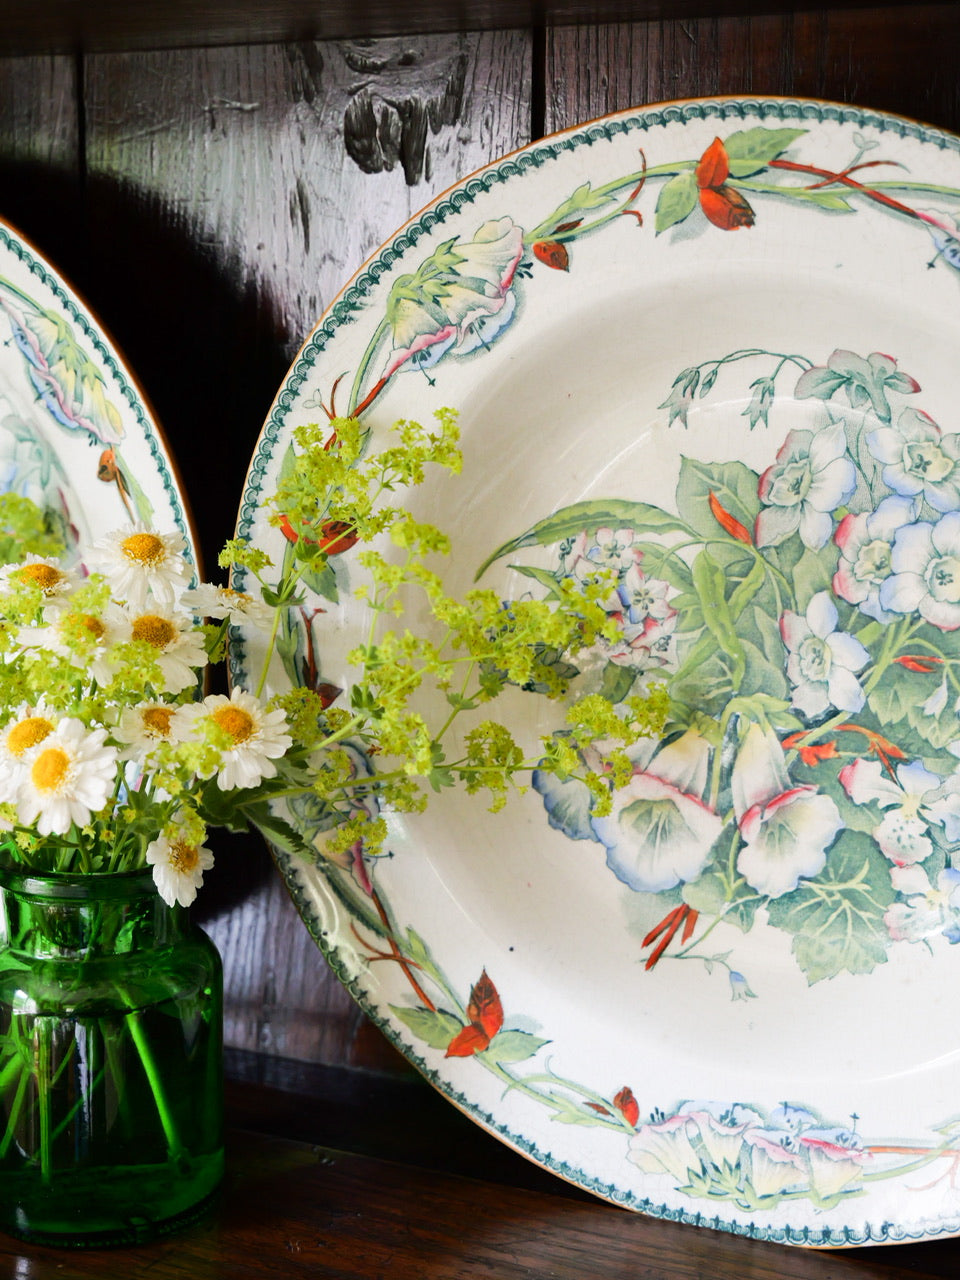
<point x="27" y="728"/>
<point x="45" y="572"/>
<point x="178" y="866"/>
<point x="211" y="601"/>
<point x="254" y="737"/>
<point x="141" y="564"/>
<point x="142" y="728"/>
<point x="68" y="777"/>
<point x="178" y="647"/>
<point x="82" y="638"/>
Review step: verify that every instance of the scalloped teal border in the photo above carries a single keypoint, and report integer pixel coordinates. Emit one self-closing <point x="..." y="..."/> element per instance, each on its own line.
<point x="45" y="273"/>
<point x="343" y="311"/>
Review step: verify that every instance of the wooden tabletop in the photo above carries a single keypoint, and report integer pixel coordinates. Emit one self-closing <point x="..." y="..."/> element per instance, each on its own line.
<point x="358" y="1176"/>
<point x="209" y="198"/>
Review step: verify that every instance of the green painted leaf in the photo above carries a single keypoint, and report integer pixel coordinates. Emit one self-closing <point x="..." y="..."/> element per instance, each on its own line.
<point x="513" y="1046"/>
<point x="434" y="1026"/>
<point x="677" y="200"/>
<point x="750" y="150"/>
<point x="323" y="581"/>
<point x="596" y="513"/>
<point x="837" y="918"/>
<point x="617" y="682"/>
<point x="734" y="485"/>
<point x="711" y="895"/>
<point x="814" y="572"/>
<point x="710" y="582"/>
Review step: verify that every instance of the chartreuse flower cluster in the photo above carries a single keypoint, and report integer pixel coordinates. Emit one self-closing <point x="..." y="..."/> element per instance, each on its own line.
<point x="111" y="760"/>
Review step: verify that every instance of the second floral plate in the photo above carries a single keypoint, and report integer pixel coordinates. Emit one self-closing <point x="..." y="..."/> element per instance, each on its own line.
<point x="709" y="346"/>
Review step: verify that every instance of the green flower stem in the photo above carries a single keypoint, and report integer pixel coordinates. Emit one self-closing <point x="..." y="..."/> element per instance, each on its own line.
<point x="145" y="1053"/>
<point x="547" y="228"/>
<point x="16" y="1107"/>
<point x="43" y="1099"/>
<point x="379" y="334"/>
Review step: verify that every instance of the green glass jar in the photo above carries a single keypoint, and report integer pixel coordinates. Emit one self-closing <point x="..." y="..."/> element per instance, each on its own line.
<point x="111" y="1084"/>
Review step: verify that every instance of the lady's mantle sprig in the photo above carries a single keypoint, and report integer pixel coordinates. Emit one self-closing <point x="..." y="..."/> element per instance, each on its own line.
<point x="110" y="760"/>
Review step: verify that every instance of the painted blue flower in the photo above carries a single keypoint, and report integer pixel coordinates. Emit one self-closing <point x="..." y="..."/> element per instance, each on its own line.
<point x="917" y="458"/>
<point x="811" y="477"/>
<point x="925" y="577"/>
<point x="822" y="662"/>
<point x="866" y="550"/>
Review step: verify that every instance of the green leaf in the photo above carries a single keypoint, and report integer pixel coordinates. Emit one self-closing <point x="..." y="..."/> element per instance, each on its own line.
<point x="750" y="150"/>
<point x="710" y="582"/>
<point x="733" y="484"/>
<point x="322" y="581"/>
<point x="276" y="830"/>
<point x="545" y="577"/>
<point x="596" y="513"/>
<point x="513" y="1046"/>
<point x="434" y="1026"/>
<point x="814" y="572"/>
<point x="837" y="918"/>
<point x="617" y="682"/>
<point x="677" y="199"/>
<point x="711" y="895"/>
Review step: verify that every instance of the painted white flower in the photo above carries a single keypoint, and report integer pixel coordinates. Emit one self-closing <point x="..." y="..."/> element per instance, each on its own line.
<point x="643" y="597"/>
<point x="68" y="776"/>
<point x="461" y="292"/>
<point x="925" y="576"/>
<point x="918" y="459"/>
<point x="142" y="728"/>
<point x="660" y="831"/>
<point x="614" y="549"/>
<point x="822" y="662"/>
<point x="54" y="581"/>
<point x="927" y="910"/>
<point x="211" y="601"/>
<point x="250" y="738"/>
<point x="866" y="551"/>
<point x="786" y="829"/>
<point x="178" y="865"/>
<point x="666" y="1147"/>
<point x="141" y="563"/>
<point x="834" y="1166"/>
<point x="902" y="835"/>
<point x="810" y="478"/>
<point x="772" y="1167"/>
<point x="177" y="646"/>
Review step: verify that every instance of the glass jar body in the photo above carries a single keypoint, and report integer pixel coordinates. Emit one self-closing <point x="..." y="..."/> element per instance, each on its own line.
<point x="111" y="1091"/>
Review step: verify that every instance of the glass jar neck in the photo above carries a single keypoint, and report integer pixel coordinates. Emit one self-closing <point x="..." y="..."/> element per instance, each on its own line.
<point x="75" y="917"/>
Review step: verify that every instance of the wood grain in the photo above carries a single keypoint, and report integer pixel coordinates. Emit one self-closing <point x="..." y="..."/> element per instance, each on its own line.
<point x="230" y="194"/>
<point x="294" y="1210"/>
<point x="40" y="151"/>
<point x="884" y="58"/>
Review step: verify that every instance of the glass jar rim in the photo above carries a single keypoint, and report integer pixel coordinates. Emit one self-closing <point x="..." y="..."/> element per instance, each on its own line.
<point x="101" y="885"/>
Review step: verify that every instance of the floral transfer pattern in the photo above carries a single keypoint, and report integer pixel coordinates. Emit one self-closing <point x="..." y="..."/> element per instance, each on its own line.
<point x="795" y="776"/>
<point x="71" y="394"/>
<point x="805" y="620"/>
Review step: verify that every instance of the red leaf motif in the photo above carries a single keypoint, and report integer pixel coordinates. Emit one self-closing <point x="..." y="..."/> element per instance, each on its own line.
<point x="728" y="522"/>
<point x="467" y="1042"/>
<point x="568" y="226"/>
<point x="627" y="1105"/>
<point x="552" y="253"/>
<point x="485" y="1009"/>
<point x="337" y="536"/>
<point x="714" y="166"/>
<point x="912" y="663"/>
<point x="811" y="756"/>
<point x="726" y="208"/>
<point x="486" y="1018"/>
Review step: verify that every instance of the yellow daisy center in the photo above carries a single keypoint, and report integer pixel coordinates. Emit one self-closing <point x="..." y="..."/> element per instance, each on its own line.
<point x="50" y="769"/>
<point x="144" y="549"/>
<point x="183" y="857"/>
<point x="45" y="576"/>
<point x="154" y="630"/>
<point x="27" y="734"/>
<point x="91" y="626"/>
<point x="236" y="597"/>
<point x="157" y="720"/>
<point x="235" y="722"/>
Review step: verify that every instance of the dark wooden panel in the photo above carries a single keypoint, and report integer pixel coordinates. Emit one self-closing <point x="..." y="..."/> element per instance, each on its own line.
<point x="900" y="59"/>
<point x="39" y="151"/>
<point x="230" y="193"/>
<point x="31" y="26"/>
